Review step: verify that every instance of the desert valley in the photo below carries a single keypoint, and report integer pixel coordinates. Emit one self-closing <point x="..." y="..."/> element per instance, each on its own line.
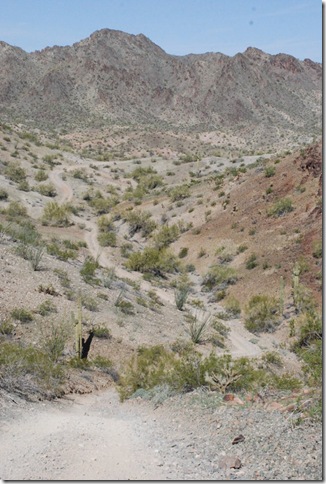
<point x="169" y="208"/>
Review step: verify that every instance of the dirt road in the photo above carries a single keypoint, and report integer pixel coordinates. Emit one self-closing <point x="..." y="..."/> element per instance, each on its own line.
<point x="95" y="438"/>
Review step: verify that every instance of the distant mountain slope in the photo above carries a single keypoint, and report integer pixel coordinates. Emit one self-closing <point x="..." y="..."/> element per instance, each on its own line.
<point x="114" y="77"/>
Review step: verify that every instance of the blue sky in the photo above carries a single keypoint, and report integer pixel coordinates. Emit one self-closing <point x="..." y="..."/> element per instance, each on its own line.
<point x="178" y="26"/>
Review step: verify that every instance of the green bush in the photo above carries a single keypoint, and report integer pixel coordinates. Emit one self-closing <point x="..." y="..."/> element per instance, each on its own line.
<point x="154" y="261"/>
<point x="23" y="315"/>
<point x="47" y="307"/>
<point x="251" y="262"/>
<point x="29" y="372"/>
<point x="125" y="306"/>
<point x="41" y="175"/>
<point x="88" y="271"/>
<point x="89" y="302"/>
<point x="106" y="236"/>
<point x="184" y="369"/>
<point x="179" y="193"/>
<point x="270" y="171"/>
<point x="183" y="252"/>
<point x="139" y="222"/>
<point x="16" y="210"/>
<point x="62" y="249"/>
<point x="56" y="215"/>
<point x="55" y="338"/>
<point x="166" y="236"/>
<point x="102" y="332"/>
<point x="3" y="194"/>
<point x="15" y="173"/>
<point x="232" y="307"/>
<point x="318" y="249"/>
<point x="219" y="277"/>
<point x="6" y="327"/>
<point x="281" y="207"/>
<point x="262" y="314"/>
<point x="46" y="189"/>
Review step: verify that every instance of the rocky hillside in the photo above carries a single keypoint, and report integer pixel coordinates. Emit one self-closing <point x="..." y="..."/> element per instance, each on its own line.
<point x="114" y="77"/>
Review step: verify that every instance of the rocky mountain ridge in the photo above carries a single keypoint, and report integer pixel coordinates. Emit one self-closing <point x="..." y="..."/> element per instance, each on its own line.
<point x="116" y="78"/>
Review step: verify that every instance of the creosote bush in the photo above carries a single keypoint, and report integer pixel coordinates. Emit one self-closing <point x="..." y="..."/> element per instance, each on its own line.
<point x="29" y="371"/>
<point x="154" y="261"/>
<point x="219" y="277"/>
<point x="262" y="314"/>
<point x="184" y="369"/>
<point x="56" y="215"/>
<point x="23" y="315"/>
<point x="280" y="208"/>
<point x="88" y="271"/>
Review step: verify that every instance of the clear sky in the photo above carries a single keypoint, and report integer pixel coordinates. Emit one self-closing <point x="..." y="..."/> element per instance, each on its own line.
<point x="177" y="26"/>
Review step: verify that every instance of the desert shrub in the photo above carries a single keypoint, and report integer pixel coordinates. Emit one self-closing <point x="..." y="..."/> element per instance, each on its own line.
<point x="139" y="222"/>
<point x="184" y="369"/>
<point x="281" y="207"/>
<point x="63" y="277"/>
<point x="80" y="174"/>
<point x="126" y="249"/>
<point x="179" y="192"/>
<point x="16" y="210"/>
<point x="154" y="261"/>
<point x="183" y="252"/>
<point x="141" y="172"/>
<point x="286" y="381"/>
<point x="219" y="277"/>
<point x="50" y="160"/>
<point x="107" y="239"/>
<point x="102" y="332"/>
<point x="15" y="173"/>
<point x="6" y="327"/>
<point x="23" y="315"/>
<point x="29" y="372"/>
<point x="41" y="175"/>
<point x="55" y="337"/>
<point x="270" y="171"/>
<point x="125" y="306"/>
<point x="47" y="307"/>
<point x="107" y="236"/>
<point x="103" y="205"/>
<point x="145" y="370"/>
<point x="106" y="365"/>
<point x="251" y="262"/>
<point x="150" y="182"/>
<point x="88" y="271"/>
<point x="46" y="189"/>
<point x="3" y="194"/>
<point x="34" y="254"/>
<point x="226" y="374"/>
<point x="318" y="249"/>
<point x="61" y="249"/>
<point x="88" y="302"/>
<point x="272" y="358"/>
<point x="49" y="289"/>
<point x="108" y="277"/>
<point x="262" y="314"/>
<point x="166" y="236"/>
<point x="56" y="215"/>
<point x="232" y="307"/>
